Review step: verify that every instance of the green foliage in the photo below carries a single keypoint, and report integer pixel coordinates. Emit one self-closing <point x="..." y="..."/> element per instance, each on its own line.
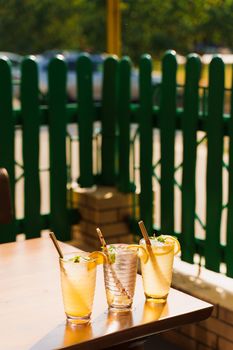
<point x="154" y="26"/>
<point x="32" y="26"/>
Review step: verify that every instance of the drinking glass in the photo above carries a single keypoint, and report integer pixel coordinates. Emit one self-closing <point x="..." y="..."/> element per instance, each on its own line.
<point x="157" y="269"/>
<point x="120" y="277"/>
<point x="78" y="278"/>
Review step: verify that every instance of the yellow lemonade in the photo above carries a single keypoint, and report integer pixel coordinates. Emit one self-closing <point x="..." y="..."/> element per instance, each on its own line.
<point x="157" y="270"/>
<point x="78" y="278"/>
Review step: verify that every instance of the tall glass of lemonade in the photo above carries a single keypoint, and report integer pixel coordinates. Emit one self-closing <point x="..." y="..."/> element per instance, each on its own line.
<point x="78" y="278"/>
<point x="157" y="269"/>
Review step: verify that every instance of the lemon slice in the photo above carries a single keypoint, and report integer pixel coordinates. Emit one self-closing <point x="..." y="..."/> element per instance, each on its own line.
<point x="174" y="240"/>
<point x="99" y="257"/>
<point x="164" y="250"/>
<point x="142" y="253"/>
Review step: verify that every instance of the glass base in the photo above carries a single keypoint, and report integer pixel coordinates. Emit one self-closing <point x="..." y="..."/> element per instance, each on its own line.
<point x="119" y="308"/>
<point x="156" y="299"/>
<point x="78" y="320"/>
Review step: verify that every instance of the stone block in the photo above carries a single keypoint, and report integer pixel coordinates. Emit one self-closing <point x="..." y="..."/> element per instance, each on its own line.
<point x="181" y="340"/>
<point x="107" y="199"/>
<point x="218" y="327"/>
<point x="106" y="208"/>
<point x="84" y="242"/>
<point x="98" y="217"/>
<point x="226" y="315"/>
<point x="127" y="239"/>
<point x="109" y="230"/>
<point x="200" y="334"/>
<point x="204" y="347"/>
<point x="101" y="198"/>
<point x="124" y="213"/>
<point x="80" y="195"/>
<point x="224" y="344"/>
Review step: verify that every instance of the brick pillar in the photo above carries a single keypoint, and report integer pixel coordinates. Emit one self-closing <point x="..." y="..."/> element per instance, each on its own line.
<point x="102" y="207"/>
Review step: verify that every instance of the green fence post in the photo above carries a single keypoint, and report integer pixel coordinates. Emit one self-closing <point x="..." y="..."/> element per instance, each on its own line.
<point x="167" y="115"/>
<point x="85" y="120"/>
<point x="109" y="102"/>
<point x="229" y="242"/>
<point x="7" y="232"/>
<point x="189" y="126"/>
<point x="214" y="126"/>
<point x="30" y="121"/>
<point x="57" y="133"/>
<point x="123" y="112"/>
<point x="146" y="141"/>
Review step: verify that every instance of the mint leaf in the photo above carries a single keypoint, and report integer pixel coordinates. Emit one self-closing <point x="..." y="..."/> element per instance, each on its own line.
<point x="161" y="239"/>
<point x="112" y="254"/>
<point x="75" y="259"/>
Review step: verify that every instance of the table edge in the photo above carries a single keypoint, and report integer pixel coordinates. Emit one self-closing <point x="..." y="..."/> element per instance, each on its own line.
<point x="144" y="331"/>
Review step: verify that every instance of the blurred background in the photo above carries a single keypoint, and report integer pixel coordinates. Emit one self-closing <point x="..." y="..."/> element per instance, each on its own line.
<point x="203" y="26"/>
<point x="45" y="28"/>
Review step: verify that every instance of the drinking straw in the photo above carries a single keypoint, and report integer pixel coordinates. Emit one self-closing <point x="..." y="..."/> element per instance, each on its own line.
<point x="149" y="249"/>
<point x="147" y="241"/>
<point x="105" y="249"/>
<point x="56" y="245"/>
<point x="145" y="236"/>
<point x="102" y="241"/>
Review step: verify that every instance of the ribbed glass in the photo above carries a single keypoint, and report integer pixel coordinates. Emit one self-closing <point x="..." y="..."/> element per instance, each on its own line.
<point x="120" y="277"/>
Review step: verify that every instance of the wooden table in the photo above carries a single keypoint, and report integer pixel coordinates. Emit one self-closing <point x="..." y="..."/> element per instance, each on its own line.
<point x="31" y="309"/>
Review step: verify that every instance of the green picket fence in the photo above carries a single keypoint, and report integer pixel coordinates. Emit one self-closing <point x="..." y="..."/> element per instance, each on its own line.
<point x="117" y="114"/>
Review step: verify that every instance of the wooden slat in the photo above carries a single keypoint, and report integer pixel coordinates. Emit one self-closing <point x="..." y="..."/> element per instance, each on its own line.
<point x="229" y="245"/>
<point x="85" y="120"/>
<point x="167" y="116"/>
<point x="146" y="140"/>
<point x="5" y="198"/>
<point x="57" y="133"/>
<point x="124" y="123"/>
<point x="109" y="102"/>
<point x="7" y="232"/>
<point x="30" y="121"/>
<point x="214" y="164"/>
<point x="189" y="126"/>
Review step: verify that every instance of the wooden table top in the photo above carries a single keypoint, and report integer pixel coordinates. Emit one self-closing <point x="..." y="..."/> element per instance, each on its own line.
<point x="32" y="315"/>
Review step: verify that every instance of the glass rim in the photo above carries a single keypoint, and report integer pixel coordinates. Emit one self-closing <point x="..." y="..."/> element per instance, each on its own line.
<point x="124" y="251"/>
<point x="72" y="254"/>
<point x="157" y="244"/>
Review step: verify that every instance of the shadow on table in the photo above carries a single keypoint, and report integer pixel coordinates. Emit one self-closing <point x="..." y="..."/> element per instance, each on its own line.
<point x="64" y="335"/>
<point x="102" y="325"/>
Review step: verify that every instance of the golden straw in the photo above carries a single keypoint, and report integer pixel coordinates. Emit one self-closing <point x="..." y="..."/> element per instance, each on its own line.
<point x="105" y="249"/>
<point x="155" y="266"/>
<point x="147" y="241"/>
<point x="144" y="232"/>
<point x="56" y="245"/>
<point x="102" y="240"/>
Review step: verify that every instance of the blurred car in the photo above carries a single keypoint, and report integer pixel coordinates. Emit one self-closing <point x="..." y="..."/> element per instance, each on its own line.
<point x="70" y="58"/>
<point x="15" y="61"/>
